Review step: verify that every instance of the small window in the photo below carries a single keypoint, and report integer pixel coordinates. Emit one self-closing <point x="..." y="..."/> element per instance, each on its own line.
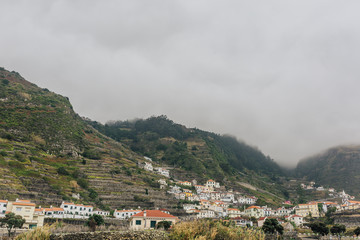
<point x="18" y="209"/>
<point x="138" y="222"/>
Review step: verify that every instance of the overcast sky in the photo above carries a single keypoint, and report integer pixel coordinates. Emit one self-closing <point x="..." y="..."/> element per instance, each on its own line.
<point x="281" y="75"/>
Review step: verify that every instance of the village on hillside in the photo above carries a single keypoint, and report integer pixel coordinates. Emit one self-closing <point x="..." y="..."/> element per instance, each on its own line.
<point x="207" y="200"/>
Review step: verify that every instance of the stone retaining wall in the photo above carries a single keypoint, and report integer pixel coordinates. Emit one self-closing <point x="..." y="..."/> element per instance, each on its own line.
<point x="128" y="235"/>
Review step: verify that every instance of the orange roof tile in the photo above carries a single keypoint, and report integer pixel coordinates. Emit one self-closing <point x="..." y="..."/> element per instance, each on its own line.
<point x="23" y="204"/>
<point x="254" y="207"/>
<point x="154" y="213"/>
<point x="233" y="209"/>
<point x="3" y="201"/>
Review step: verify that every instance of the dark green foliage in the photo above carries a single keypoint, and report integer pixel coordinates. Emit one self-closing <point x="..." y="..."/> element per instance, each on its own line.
<point x="95" y="220"/>
<point x="271" y="226"/>
<point x="138" y="198"/>
<point x="338" y="229"/>
<point x="93" y="194"/>
<point x="3" y="153"/>
<point x="319" y="227"/>
<point x="338" y="167"/>
<point x="20" y="157"/>
<point x="221" y="156"/>
<point x="163" y="225"/>
<point x="11" y="221"/>
<point x="357" y="231"/>
<point x="83" y="183"/>
<point x="5" y="82"/>
<point x="92" y="154"/>
<point x="62" y="171"/>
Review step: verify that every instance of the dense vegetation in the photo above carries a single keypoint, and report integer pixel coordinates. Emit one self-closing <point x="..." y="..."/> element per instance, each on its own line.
<point x="209" y="229"/>
<point x="202" y="152"/>
<point x="338" y="167"/>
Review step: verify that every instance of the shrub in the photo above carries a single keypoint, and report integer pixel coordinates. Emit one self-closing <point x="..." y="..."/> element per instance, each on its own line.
<point x="39" y="233"/>
<point x="210" y="229"/>
<point x="62" y="171"/>
<point x="83" y="183"/>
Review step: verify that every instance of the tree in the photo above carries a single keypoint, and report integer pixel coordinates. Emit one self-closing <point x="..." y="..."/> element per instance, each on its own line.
<point x="163" y="224"/>
<point x="319" y="227"/>
<point x="12" y="221"/>
<point x="357" y="231"/>
<point x="271" y="225"/>
<point x="95" y="220"/>
<point x="337" y="229"/>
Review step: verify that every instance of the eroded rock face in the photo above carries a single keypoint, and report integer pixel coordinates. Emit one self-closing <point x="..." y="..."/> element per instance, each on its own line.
<point x="128" y="235"/>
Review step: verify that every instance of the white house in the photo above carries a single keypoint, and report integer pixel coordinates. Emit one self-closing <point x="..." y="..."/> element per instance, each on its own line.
<point x="233" y="212"/>
<point x="148" y="166"/>
<point x="283" y="211"/>
<point x="298" y="220"/>
<point x="174" y="189"/>
<point x="73" y="210"/>
<point x="212" y="184"/>
<point x="125" y="214"/>
<point x="242" y="222"/>
<point x="163" y="171"/>
<point x="3" y="205"/>
<point x="162" y="182"/>
<point x="190" y="206"/>
<point x="53" y="212"/>
<point x="206" y="214"/>
<point x="101" y="212"/>
<point x="186" y="183"/>
<point x="267" y="211"/>
<point x="215" y="196"/>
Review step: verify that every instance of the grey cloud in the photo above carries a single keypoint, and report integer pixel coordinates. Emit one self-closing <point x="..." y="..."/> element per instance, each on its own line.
<point x="281" y="75"/>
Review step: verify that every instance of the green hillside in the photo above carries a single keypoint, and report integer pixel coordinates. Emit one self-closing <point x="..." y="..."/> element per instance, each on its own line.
<point x="338" y="167"/>
<point x="196" y="153"/>
<point x="50" y="154"/>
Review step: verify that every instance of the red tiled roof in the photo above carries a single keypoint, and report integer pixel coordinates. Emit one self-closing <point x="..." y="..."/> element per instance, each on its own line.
<point x="23" y="204"/>
<point x="210" y="180"/>
<point x="3" y="201"/>
<point x="154" y="213"/>
<point x="53" y="209"/>
<point x="254" y="207"/>
<point x="233" y="209"/>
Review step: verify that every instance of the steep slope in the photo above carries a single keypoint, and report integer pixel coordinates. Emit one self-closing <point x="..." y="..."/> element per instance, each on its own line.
<point x="338" y="167"/>
<point x="49" y="154"/>
<point x="196" y="153"/>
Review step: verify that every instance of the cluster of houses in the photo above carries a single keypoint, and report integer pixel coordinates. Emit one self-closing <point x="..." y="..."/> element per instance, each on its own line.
<point x="332" y="192"/>
<point x="149" y="167"/>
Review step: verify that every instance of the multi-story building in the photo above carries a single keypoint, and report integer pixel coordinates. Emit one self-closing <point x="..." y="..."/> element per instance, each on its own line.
<point x="310" y="209"/>
<point x="255" y="211"/>
<point x="233" y="212"/>
<point x="26" y="209"/>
